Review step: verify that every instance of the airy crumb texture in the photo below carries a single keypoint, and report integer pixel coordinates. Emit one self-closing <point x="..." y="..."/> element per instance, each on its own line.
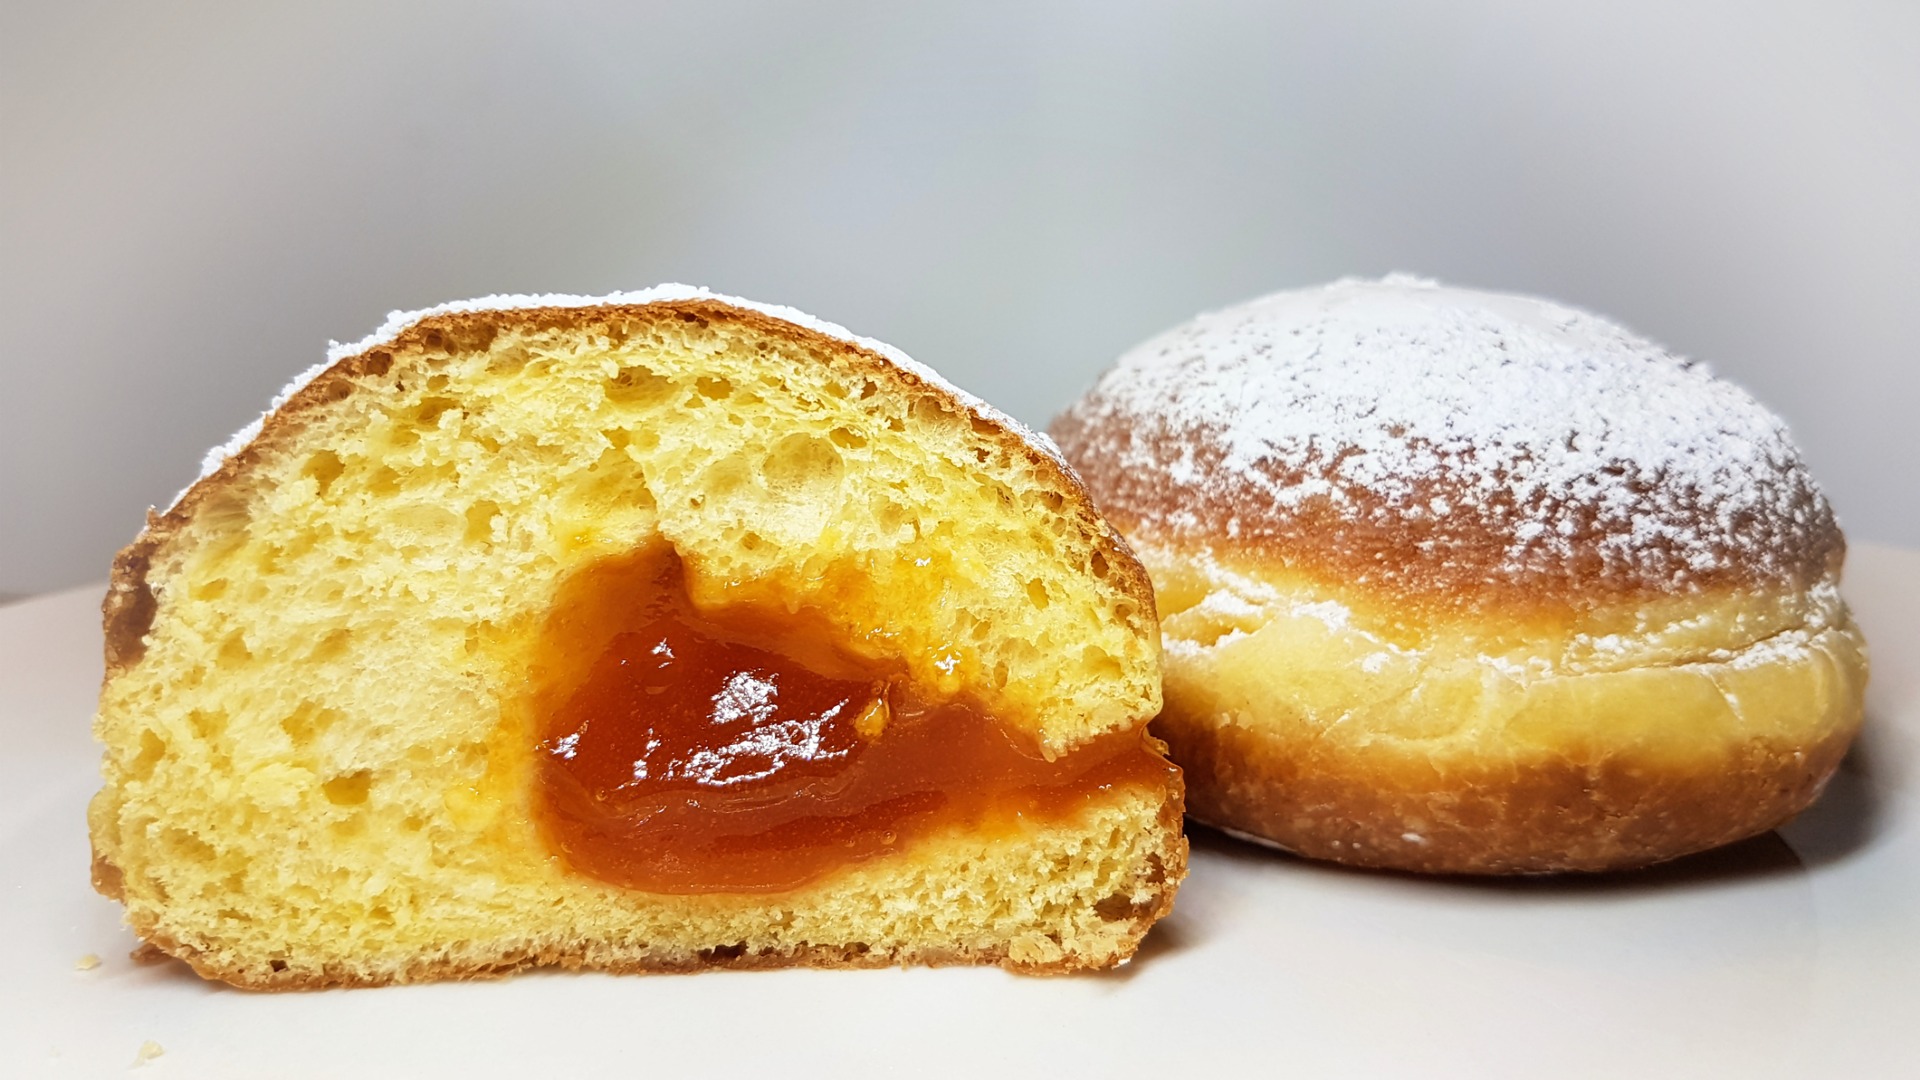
<point x="399" y="322"/>
<point x="310" y="655"/>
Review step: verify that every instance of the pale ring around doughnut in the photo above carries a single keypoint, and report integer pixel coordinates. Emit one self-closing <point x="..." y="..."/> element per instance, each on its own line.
<point x="1460" y="582"/>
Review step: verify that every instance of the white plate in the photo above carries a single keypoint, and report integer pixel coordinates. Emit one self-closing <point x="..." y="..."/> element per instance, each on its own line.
<point x="1796" y="954"/>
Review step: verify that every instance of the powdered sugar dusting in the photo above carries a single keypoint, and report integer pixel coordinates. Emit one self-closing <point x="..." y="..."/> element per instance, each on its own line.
<point x="1404" y="404"/>
<point x="399" y="321"/>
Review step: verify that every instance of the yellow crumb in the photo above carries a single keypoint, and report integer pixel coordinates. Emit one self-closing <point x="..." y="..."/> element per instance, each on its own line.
<point x="87" y="963"/>
<point x="148" y="1051"/>
<point x="321" y="759"/>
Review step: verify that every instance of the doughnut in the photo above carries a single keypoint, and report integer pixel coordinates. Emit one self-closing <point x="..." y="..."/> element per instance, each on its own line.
<point x="1464" y="582"/>
<point x="650" y="632"/>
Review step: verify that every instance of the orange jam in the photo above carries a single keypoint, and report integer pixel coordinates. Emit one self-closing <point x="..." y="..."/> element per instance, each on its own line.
<point x="687" y="753"/>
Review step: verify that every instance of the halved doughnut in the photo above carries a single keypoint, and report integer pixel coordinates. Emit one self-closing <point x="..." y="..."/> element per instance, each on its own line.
<point x="646" y="632"/>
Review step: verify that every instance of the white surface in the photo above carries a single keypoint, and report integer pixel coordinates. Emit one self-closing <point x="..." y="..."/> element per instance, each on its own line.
<point x="1439" y="402"/>
<point x="1793" y="955"/>
<point x="398" y="321"/>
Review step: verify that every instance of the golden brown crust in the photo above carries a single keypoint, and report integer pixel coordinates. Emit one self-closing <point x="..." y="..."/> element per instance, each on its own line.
<point x="129" y="606"/>
<point x="733" y="957"/>
<point x="131" y="603"/>
<point x="1170" y="869"/>
<point x="1472" y="491"/>
<point x="128" y="609"/>
<point x="1457" y="561"/>
<point x="1451" y="448"/>
<point x="1376" y="806"/>
<point x="106" y="877"/>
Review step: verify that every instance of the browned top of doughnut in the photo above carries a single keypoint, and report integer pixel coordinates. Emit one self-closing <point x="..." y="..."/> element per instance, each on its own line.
<point x="130" y="605"/>
<point x="1465" y="448"/>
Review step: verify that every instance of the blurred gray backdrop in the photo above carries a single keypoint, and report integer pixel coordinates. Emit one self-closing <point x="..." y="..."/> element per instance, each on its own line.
<point x="194" y="198"/>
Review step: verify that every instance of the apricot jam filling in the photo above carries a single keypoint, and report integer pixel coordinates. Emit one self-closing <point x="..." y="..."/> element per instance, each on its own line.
<point x="681" y="752"/>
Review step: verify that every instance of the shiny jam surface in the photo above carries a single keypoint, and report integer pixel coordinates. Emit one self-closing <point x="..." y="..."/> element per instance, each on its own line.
<point x="682" y="753"/>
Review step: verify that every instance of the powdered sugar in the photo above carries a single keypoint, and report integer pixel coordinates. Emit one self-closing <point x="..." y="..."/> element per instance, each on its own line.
<point x="1550" y="428"/>
<point x="398" y="321"/>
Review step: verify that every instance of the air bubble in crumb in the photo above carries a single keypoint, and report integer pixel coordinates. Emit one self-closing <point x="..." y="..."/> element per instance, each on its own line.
<point x="86" y="963"/>
<point x="148" y="1051"/>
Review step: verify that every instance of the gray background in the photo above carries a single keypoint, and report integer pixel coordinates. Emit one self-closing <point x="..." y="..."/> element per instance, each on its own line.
<point x="194" y="198"/>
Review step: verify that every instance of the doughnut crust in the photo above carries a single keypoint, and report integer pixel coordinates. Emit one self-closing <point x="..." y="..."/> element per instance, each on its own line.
<point x="1462" y="582"/>
<point x="319" y="760"/>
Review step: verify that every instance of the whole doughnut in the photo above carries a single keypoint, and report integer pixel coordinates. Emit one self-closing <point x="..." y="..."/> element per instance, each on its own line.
<point x="1462" y="582"/>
